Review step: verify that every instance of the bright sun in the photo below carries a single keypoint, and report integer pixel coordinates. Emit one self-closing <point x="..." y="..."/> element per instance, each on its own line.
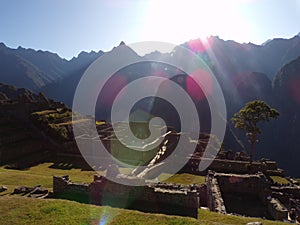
<point x="179" y="21"/>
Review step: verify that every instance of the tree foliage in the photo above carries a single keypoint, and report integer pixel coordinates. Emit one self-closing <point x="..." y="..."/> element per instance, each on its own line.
<point x="248" y="118"/>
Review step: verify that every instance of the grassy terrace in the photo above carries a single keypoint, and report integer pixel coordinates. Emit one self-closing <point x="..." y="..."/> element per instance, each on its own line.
<point x="280" y="180"/>
<point x="21" y="210"/>
<point x="42" y="174"/>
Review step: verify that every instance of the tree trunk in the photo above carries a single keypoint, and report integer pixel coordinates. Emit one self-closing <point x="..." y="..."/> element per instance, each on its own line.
<point x="251" y="151"/>
<point x="252" y="141"/>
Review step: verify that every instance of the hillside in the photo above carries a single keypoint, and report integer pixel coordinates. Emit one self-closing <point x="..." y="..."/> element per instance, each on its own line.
<point x="245" y="72"/>
<point x="34" y="69"/>
<point x="25" y="137"/>
<point x="17" y="71"/>
<point x="286" y="90"/>
<point x="35" y="211"/>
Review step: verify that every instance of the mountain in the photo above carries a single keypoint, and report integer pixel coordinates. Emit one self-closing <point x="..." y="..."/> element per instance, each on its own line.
<point x="232" y="58"/>
<point x="64" y="89"/>
<point x="11" y="92"/>
<point x="228" y="60"/>
<point x="245" y="72"/>
<point x="35" y="69"/>
<point x="286" y="90"/>
<point x="286" y="86"/>
<point x="19" y="72"/>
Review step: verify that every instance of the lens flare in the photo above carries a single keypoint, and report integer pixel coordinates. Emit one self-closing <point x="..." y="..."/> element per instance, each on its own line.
<point x="192" y="87"/>
<point x="294" y="90"/>
<point x="112" y="88"/>
<point x="99" y="72"/>
<point x="103" y="220"/>
<point x="200" y="45"/>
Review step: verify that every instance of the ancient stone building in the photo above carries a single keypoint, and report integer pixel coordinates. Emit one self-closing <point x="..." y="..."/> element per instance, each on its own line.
<point x="243" y="194"/>
<point x="155" y="198"/>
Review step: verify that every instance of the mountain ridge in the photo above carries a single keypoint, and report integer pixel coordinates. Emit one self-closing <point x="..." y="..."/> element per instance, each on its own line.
<point x="245" y="72"/>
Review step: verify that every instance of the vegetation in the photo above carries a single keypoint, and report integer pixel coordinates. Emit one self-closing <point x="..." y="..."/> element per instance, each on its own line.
<point x="21" y="210"/>
<point x="248" y="118"/>
<point x="54" y="122"/>
<point x="42" y="174"/>
<point x="184" y="178"/>
<point x="280" y="180"/>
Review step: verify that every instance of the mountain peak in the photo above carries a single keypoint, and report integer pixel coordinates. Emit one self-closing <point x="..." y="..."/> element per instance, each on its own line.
<point x="2" y="45"/>
<point x="122" y="43"/>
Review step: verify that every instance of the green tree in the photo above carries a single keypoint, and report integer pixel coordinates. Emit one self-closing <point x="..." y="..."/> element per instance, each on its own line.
<point x="248" y="117"/>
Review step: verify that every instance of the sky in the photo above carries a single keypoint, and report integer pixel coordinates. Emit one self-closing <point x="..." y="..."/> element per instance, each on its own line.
<point x="68" y="27"/>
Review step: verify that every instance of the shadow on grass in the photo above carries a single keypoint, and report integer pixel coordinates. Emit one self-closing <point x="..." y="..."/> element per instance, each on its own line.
<point x="58" y="162"/>
<point x="28" y="161"/>
<point x="69" y="162"/>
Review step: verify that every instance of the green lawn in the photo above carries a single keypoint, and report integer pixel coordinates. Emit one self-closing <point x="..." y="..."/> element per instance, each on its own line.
<point x="23" y="211"/>
<point x="183" y="178"/>
<point x="41" y="174"/>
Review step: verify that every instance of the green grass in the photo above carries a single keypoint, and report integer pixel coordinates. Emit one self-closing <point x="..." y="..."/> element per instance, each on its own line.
<point x="41" y="174"/>
<point x="208" y="217"/>
<point x="45" y="112"/>
<point x="279" y="180"/>
<point x="21" y="210"/>
<point x="183" y="178"/>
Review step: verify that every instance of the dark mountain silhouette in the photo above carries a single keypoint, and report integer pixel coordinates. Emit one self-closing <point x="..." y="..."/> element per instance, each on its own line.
<point x="287" y="93"/>
<point x="228" y="60"/>
<point x="19" y="72"/>
<point x="11" y="92"/>
<point x="64" y="89"/>
<point x="35" y="69"/>
<point x="47" y="62"/>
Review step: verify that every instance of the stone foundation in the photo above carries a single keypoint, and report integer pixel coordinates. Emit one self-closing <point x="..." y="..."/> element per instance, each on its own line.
<point x="155" y="198"/>
<point x="244" y="194"/>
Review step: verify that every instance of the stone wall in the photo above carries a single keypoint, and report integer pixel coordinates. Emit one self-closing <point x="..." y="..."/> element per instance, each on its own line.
<point x="290" y="190"/>
<point x="64" y="188"/>
<point x="214" y="197"/>
<point x="247" y="186"/>
<point x="276" y="209"/>
<point x="63" y="185"/>
<point x="232" y="166"/>
<point x="155" y="198"/>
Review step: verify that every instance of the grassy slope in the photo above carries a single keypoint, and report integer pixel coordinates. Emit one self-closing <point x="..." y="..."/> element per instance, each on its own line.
<point x="21" y="210"/>
<point x="42" y="174"/>
<point x="16" y="210"/>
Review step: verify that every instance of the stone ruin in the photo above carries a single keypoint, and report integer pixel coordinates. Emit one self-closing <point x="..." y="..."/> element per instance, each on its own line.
<point x="152" y="197"/>
<point x="236" y="166"/>
<point x="226" y="161"/>
<point x="247" y="194"/>
<point x="241" y="194"/>
<point x="33" y="192"/>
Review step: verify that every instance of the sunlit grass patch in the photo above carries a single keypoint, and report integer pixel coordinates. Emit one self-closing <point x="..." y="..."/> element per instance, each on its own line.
<point x="280" y="180"/>
<point x="184" y="178"/>
<point x="21" y="210"/>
